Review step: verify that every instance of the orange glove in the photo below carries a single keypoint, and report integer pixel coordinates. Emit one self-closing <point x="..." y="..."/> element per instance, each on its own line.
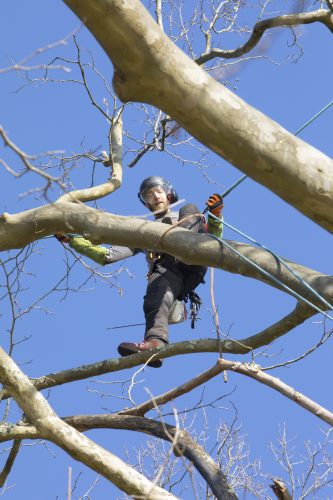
<point x="215" y="204"/>
<point x="62" y="237"/>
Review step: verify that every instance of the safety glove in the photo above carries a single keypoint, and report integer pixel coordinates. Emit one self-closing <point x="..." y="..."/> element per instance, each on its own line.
<point x="62" y="237"/>
<point x="215" y="204"/>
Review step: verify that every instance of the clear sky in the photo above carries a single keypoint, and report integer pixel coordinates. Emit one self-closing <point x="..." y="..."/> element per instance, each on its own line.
<point x="66" y="333"/>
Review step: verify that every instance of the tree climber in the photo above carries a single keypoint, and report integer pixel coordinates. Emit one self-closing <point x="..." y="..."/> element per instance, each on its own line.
<point x="169" y="280"/>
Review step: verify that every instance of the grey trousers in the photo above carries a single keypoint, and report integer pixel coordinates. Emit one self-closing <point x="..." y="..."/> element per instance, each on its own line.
<point x="171" y="280"/>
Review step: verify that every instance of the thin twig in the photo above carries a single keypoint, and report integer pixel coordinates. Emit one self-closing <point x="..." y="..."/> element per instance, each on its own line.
<point x="10" y="461"/>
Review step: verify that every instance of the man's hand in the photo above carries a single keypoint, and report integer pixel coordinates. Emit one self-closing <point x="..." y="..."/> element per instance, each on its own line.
<point x="215" y="204"/>
<point x="62" y="237"/>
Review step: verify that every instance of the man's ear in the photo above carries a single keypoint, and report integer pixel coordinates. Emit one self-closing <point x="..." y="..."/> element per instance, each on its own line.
<point x="169" y="197"/>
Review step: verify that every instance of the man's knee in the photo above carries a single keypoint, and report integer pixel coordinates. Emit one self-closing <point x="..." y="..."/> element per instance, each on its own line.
<point x="154" y="302"/>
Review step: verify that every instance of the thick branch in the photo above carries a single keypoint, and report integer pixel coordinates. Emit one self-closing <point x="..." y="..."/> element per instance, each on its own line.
<point x="150" y="68"/>
<point x="20" y="229"/>
<point x="322" y="16"/>
<point x="182" y="442"/>
<point x="50" y="426"/>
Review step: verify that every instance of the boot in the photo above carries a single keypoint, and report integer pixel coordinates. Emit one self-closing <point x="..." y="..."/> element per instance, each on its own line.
<point x="128" y="348"/>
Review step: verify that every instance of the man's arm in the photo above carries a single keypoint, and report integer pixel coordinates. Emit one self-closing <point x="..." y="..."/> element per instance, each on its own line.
<point x="97" y="253"/>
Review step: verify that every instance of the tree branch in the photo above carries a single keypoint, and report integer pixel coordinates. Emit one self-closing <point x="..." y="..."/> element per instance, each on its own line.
<point x="278" y="329"/>
<point x="182" y="442"/>
<point x="184" y="388"/>
<point x="242" y="346"/>
<point x="10" y="461"/>
<point x="18" y="230"/>
<point x="26" y="160"/>
<point x="254" y="371"/>
<point x="321" y="15"/>
<point x="96" y="192"/>
<point x="51" y="427"/>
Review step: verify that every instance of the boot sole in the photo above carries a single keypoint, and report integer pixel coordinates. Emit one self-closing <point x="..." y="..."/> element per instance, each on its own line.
<point x="123" y="351"/>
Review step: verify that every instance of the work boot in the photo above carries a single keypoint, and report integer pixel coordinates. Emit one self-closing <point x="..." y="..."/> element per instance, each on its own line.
<point x="128" y="348"/>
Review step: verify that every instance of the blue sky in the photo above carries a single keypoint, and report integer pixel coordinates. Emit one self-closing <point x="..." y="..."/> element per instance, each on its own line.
<point x="72" y="332"/>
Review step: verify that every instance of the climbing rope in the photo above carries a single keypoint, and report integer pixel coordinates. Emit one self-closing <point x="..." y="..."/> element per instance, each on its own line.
<point x="274" y="279"/>
<point x="283" y="262"/>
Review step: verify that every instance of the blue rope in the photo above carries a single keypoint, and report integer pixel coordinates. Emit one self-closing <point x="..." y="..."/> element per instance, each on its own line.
<point x="325" y="108"/>
<point x="275" y="280"/>
<point x="294" y="273"/>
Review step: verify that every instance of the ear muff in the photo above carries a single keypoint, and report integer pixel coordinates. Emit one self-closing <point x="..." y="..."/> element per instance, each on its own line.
<point x="172" y="194"/>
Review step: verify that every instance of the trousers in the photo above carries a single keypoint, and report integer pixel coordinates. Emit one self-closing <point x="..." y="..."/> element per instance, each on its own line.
<point x="171" y="280"/>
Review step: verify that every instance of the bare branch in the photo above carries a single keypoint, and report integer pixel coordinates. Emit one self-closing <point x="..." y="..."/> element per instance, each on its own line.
<point x="111" y="365"/>
<point x="21" y="65"/>
<point x="184" y="444"/>
<point x="321" y="15"/>
<point x="281" y="327"/>
<point x="10" y="461"/>
<point x="26" y="160"/>
<point x="114" y="183"/>
<point x="254" y="371"/>
<point x="184" y="388"/>
<point x="198" y="249"/>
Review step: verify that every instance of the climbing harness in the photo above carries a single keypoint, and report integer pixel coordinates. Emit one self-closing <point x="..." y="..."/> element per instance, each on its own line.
<point x="195" y="304"/>
<point x="152" y="258"/>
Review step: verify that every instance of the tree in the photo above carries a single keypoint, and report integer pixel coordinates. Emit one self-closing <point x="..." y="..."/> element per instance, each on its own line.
<point x="149" y="68"/>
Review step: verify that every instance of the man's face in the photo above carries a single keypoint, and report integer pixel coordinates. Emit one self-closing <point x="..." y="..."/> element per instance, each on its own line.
<point x="156" y="199"/>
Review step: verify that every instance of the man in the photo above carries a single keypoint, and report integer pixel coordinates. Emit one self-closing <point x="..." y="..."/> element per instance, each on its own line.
<point x="169" y="280"/>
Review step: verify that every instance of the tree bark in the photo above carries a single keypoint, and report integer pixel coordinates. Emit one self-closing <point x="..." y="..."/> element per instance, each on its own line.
<point x="150" y="68"/>
<point x="51" y="427"/>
